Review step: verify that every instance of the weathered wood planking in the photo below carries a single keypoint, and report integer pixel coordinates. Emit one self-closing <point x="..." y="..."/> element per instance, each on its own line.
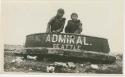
<point x="68" y="41"/>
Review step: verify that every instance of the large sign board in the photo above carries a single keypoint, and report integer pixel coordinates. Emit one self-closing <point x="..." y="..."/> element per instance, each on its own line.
<point x="68" y="41"/>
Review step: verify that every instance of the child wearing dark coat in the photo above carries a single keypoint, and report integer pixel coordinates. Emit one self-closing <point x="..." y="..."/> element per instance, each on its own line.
<point x="56" y="24"/>
<point x="74" y="25"/>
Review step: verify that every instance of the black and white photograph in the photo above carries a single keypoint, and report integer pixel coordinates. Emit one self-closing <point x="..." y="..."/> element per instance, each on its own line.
<point x="63" y="36"/>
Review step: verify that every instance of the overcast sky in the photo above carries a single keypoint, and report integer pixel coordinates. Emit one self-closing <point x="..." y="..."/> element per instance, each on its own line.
<point x="101" y="18"/>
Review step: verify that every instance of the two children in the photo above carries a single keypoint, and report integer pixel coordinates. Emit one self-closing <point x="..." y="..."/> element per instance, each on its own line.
<point x="56" y="24"/>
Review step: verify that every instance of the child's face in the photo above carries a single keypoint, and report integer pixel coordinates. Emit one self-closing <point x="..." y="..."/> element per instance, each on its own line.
<point x="74" y="17"/>
<point x="60" y="14"/>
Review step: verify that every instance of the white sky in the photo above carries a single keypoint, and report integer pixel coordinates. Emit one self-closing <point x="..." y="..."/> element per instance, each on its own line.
<point x="101" y="18"/>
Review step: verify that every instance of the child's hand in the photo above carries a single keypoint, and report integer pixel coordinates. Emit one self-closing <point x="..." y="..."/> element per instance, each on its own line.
<point x="58" y="30"/>
<point x="77" y="32"/>
<point x="54" y="31"/>
<point x="48" y="31"/>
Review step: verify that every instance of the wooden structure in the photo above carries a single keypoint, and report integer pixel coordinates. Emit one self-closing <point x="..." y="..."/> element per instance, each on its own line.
<point x="69" y="46"/>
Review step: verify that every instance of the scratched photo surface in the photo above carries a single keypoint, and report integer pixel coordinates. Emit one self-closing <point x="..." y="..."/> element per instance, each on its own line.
<point x="69" y="36"/>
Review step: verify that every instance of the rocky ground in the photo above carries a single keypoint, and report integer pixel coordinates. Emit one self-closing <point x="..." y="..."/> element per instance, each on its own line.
<point x="14" y="63"/>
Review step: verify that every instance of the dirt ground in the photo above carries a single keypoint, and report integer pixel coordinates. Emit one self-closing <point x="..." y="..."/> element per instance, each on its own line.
<point x="40" y="66"/>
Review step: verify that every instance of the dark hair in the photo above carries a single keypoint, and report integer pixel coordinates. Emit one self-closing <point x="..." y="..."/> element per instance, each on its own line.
<point x="74" y="14"/>
<point x="60" y="10"/>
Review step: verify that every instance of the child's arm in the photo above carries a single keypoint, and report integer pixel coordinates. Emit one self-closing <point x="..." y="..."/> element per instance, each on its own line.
<point x="67" y="27"/>
<point x="80" y="27"/>
<point x="48" y="30"/>
<point x="78" y="31"/>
